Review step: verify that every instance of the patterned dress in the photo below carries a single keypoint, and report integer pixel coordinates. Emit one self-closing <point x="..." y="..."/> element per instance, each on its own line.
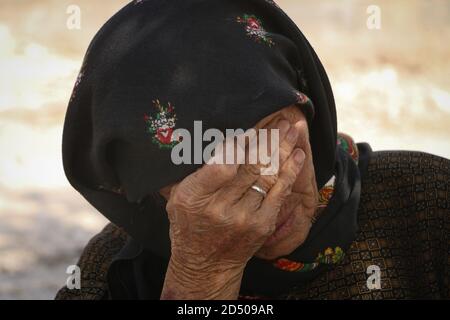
<point x="404" y="229"/>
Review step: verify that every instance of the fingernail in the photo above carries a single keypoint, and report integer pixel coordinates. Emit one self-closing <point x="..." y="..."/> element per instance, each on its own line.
<point x="284" y="126"/>
<point x="299" y="156"/>
<point x="292" y="135"/>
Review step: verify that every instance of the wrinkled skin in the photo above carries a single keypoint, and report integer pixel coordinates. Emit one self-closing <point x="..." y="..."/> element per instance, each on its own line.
<point x="217" y="222"/>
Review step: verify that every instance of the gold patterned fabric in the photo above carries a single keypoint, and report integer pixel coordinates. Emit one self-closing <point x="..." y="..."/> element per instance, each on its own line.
<point x="404" y="229"/>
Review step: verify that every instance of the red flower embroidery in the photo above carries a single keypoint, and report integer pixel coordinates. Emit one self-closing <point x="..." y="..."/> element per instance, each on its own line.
<point x="162" y="125"/>
<point x="164" y="135"/>
<point x="253" y="23"/>
<point x="255" y="29"/>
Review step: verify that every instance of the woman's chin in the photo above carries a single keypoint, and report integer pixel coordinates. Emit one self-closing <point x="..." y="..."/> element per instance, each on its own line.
<point x="274" y="252"/>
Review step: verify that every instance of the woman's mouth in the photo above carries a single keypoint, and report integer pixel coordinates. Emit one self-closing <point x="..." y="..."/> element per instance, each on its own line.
<point x="281" y="231"/>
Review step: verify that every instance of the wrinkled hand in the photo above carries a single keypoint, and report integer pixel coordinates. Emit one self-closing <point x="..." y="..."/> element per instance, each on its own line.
<point x="217" y="222"/>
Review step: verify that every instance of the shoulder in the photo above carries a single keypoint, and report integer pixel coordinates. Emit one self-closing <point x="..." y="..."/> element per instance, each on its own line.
<point x="406" y="183"/>
<point x="407" y="167"/>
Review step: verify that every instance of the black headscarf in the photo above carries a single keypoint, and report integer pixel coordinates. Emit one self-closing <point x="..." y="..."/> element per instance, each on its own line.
<point x="158" y="65"/>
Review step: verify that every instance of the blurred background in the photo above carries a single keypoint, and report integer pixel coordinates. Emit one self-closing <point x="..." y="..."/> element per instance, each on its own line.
<point x="392" y="89"/>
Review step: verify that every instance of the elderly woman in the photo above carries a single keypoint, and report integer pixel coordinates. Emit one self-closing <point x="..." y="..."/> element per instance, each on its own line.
<point x="336" y="221"/>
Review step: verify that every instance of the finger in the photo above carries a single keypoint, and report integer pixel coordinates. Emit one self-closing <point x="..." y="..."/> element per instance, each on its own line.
<point x="249" y="173"/>
<point x="288" y="144"/>
<point x="266" y="177"/>
<point x="283" y="187"/>
<point x="308" y="177"/>
<point x="253" y="199"/>
<point x="286" y="148"/>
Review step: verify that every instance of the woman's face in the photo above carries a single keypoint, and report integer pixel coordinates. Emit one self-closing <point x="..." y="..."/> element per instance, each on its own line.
<point x="294" y="219"/>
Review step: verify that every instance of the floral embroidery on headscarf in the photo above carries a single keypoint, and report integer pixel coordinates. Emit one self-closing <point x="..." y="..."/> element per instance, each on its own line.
<point x="162" y="125"/>
<point x="255" y="29"/>
<point x="329" y="256"/>
<point x="349" y="145"/>
<point x="326" y="193"/>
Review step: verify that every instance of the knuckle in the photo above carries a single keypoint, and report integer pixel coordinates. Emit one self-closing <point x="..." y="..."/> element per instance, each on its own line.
<point x="267" y="182"/>
<point x="284" y="185"/>
<point x="216" y="218"/>
<point x="253" y="170"/>
<point x="216" y="212"/>
<point x="290" y="174"/>
<point x="240" y="223"/>
<point x="284" y="152"/>
<point x="271" y="179"/>
<point x="212" y="213"/>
